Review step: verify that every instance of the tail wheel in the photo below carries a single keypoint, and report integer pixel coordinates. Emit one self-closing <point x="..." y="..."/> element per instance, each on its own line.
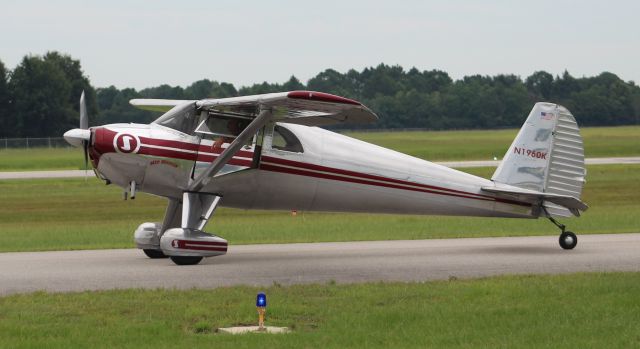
<point x="154" y="254"/>
<point x="568" y="240"/>
<point x="185" y="260"/>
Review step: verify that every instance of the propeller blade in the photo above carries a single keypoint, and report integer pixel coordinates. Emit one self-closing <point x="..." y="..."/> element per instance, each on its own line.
<point x="84" y="119"/>
<point x="85" y="147"/>
<point x="81" y="136"/>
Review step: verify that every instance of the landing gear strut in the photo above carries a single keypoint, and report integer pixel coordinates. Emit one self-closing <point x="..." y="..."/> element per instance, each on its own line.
<point x="568" y="240"/>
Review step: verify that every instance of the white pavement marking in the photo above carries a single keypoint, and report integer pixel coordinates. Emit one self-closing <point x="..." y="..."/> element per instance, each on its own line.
<point x="454" y="164"/>
<point x="344" y="262"/>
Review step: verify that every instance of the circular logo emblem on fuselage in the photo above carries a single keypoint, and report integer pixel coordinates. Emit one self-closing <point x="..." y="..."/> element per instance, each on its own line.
<point x="126" y="143"/>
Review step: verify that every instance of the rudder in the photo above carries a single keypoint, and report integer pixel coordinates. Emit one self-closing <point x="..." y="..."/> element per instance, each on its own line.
<point x="546" y="156"/>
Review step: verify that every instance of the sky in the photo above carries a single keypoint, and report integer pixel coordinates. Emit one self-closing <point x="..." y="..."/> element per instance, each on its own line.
<point x="147" y="43"/>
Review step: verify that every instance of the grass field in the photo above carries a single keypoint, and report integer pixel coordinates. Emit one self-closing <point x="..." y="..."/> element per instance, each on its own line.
<point x="430" y="145"/>
<point x="487" y="144"/>
<point x="34" y="159"/>
<point x="567" y="311"/>
<point x="64" y="214"/>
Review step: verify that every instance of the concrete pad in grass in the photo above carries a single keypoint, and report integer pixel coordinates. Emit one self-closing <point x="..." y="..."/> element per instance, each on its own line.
<point x="253" y="329"/>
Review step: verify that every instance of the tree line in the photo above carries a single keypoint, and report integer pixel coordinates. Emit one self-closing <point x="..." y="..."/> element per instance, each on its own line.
<point x="39" y="98"/>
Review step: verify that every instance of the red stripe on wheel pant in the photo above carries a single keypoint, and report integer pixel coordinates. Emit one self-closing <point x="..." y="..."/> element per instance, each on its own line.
<point x="200" y="245"/>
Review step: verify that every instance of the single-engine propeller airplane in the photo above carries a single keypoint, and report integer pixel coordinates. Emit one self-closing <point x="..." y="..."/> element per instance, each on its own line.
<point x="265" y="152"/>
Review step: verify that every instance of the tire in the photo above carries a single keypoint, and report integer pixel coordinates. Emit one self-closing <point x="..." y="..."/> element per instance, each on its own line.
<point x="568" y="240"/>
<point x="185" y="260"/>
<point x="154" y="254"/>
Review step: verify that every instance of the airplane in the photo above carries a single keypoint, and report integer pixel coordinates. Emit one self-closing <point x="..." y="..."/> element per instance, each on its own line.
<point x="268" y="152"/>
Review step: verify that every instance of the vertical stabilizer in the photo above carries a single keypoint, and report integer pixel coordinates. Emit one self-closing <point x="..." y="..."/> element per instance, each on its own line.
<point x="546" y="156"/>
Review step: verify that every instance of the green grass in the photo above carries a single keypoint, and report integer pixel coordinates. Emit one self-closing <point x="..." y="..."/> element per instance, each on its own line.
<point x="429" y="145"/>
<point x="487" y="144"/>
<point x="35" y="159"/>
<point x="565" y="311"/>
<point x="62" y="214"/>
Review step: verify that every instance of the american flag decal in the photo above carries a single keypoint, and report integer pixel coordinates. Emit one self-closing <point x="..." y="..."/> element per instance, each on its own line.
<point x="546" y="116"/>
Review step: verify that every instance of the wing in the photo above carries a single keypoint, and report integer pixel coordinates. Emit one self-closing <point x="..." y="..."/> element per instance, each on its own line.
<point x="300" y="107"/>
<point x="163" y="105"/>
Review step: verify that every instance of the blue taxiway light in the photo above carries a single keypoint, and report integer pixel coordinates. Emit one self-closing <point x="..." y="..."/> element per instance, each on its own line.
<point x="261" y="300"/>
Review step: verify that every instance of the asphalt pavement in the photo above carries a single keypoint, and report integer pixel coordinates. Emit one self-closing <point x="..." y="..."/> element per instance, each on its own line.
<point x="343" y="262"/>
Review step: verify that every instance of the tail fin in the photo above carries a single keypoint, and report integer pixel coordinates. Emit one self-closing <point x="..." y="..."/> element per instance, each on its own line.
<point x="547" y="156"/>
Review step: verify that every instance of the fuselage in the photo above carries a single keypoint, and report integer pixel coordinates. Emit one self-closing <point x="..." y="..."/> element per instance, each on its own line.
<point x="328" y="172"/>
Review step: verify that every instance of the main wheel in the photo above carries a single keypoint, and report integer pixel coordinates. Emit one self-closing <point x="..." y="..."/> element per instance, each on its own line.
<point x="154" y="254"/>
<point x="185" y="260"/>
<point x="568" y="240"/>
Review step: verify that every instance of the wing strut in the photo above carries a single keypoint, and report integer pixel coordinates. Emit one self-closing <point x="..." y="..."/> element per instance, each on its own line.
<point x="227" y="154"/>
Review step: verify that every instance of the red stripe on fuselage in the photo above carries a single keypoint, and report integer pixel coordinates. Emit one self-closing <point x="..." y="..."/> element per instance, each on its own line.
<point x="208" y="154"/>
<point x="176" y="154"/>
<point x="201" y="148"/>
<point x="364" y="175"/>
<point x="361" y="181"/>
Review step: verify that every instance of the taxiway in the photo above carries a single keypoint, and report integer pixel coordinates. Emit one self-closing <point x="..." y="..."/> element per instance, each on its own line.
<point x="343" y="262"/>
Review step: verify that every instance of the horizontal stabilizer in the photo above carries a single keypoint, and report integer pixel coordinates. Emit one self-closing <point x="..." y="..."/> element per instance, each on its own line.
<point x="572" y="204"/>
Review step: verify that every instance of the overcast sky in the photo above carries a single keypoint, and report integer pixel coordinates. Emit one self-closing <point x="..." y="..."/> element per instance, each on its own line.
<point x="146" y="43"/>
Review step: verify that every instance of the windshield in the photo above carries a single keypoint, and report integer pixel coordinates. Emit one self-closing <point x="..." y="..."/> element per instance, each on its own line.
<point x="182" y="117"/>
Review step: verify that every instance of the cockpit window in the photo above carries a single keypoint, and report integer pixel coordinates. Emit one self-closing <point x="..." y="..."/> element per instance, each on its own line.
<point x="222" y="129"/>
<point x="284" y="139"/>
<point x="218" y="125"/>
<point x="182" y="117"/>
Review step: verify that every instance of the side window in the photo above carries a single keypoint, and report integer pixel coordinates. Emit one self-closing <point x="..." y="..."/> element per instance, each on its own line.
<point x="222" y="129"/>
<point x="222" y="126"/>
<point x="284" y="139"/>
<point x="226" y="127"/>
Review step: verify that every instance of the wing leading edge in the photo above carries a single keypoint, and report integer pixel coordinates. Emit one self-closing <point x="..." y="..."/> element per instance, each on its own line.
<point x="162" y="105"/>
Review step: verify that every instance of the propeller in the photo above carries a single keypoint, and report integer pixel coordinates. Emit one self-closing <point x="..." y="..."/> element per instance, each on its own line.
<point x="82" y="135"/>
<point x="84" y="120"/>
<point x="84" y="125"/>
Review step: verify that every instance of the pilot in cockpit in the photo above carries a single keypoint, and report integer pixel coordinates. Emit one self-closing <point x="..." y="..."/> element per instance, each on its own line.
<point x="234" y="128"/>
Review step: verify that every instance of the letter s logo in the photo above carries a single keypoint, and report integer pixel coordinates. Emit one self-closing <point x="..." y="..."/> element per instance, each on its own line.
<point x="126" y="143"/>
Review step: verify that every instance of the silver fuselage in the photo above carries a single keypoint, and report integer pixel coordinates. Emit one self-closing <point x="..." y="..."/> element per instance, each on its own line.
<point x="333" y="173"/>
